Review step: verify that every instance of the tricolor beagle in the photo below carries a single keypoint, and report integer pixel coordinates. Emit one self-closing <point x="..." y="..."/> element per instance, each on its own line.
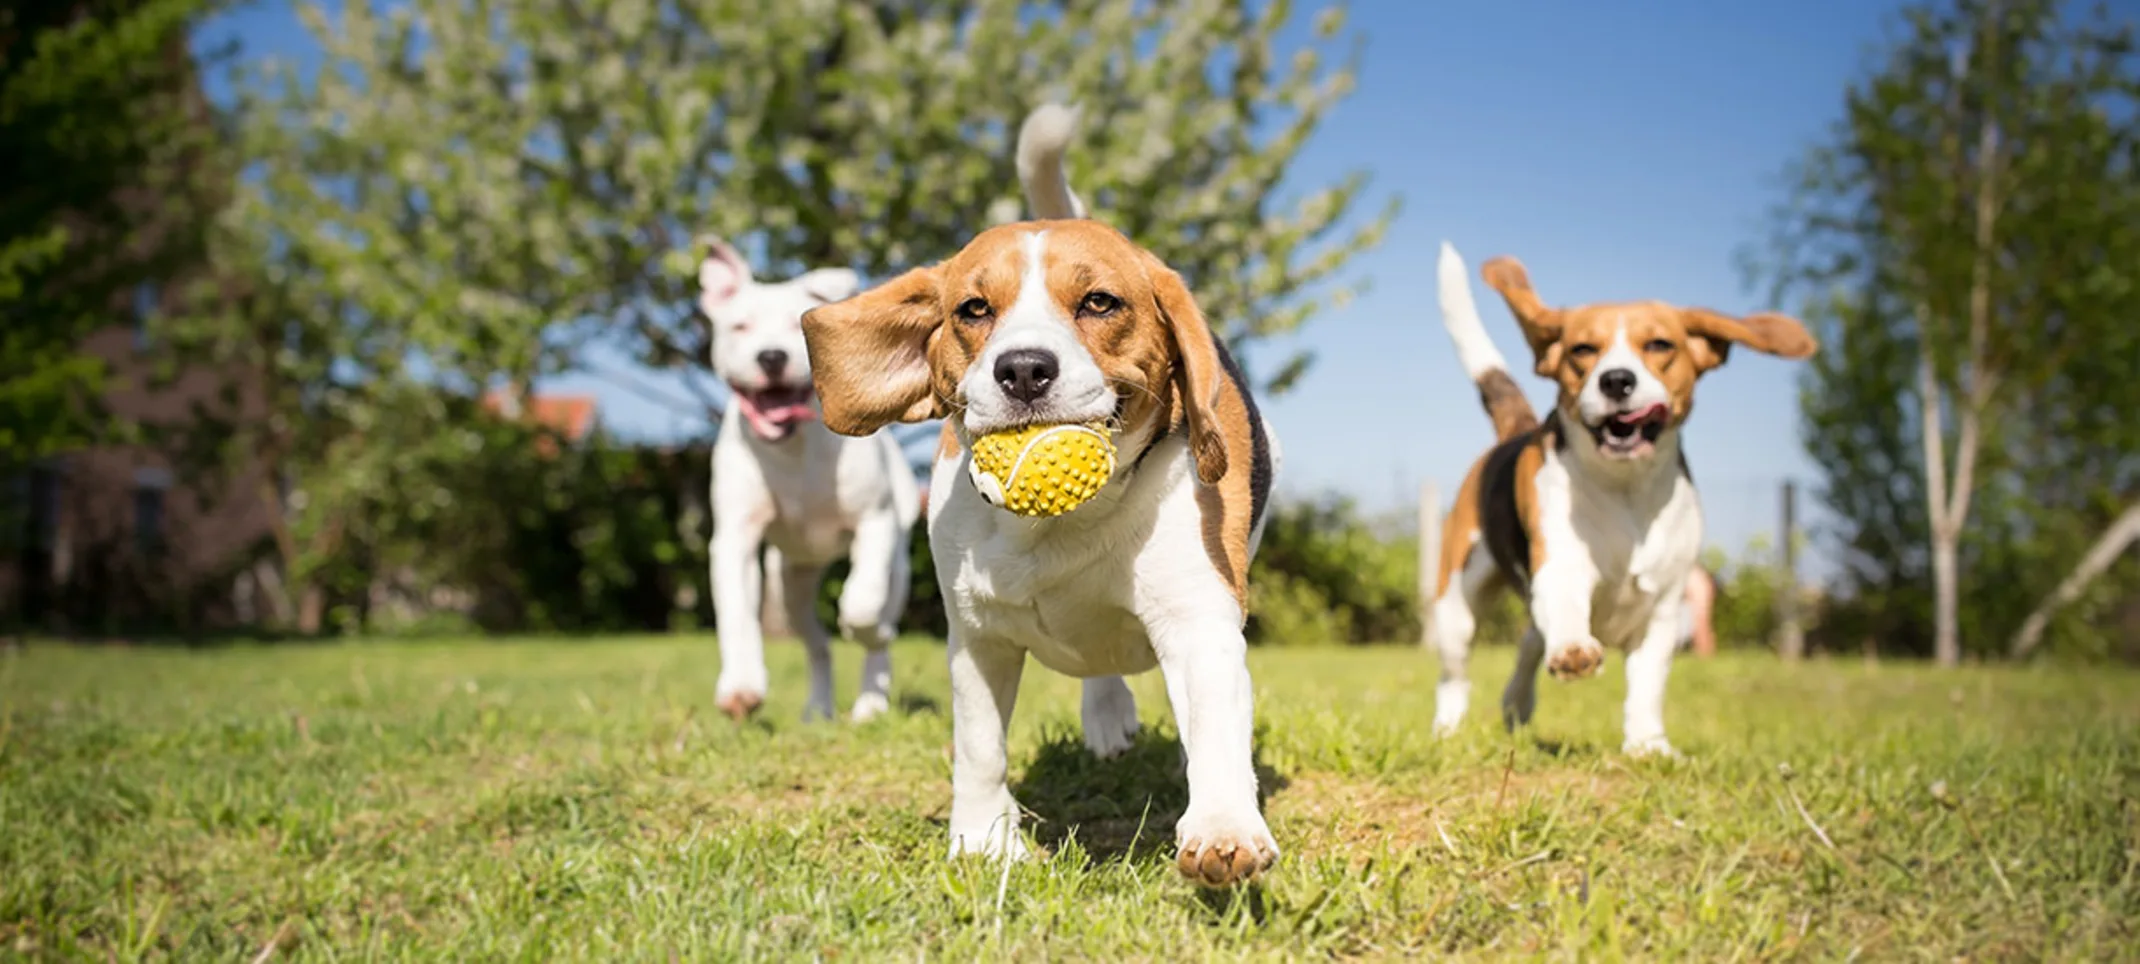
<point x="1591" y="514"/>
<point x="1066" y="320"/>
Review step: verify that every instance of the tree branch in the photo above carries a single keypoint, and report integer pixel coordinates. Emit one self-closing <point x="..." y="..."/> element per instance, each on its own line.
<point x="2107" y="548"/>
<point x="1977" y="380"/>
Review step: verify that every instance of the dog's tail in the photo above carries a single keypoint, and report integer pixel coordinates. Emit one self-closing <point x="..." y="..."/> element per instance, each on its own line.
<point x="1505" y="405"/>
<point x="1041" y="143"/>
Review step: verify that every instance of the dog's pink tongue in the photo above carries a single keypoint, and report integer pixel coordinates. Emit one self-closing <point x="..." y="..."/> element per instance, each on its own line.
<point x="774" y="417"/>
<point x="1636" y="418"/>
<point x="788" y="413"/>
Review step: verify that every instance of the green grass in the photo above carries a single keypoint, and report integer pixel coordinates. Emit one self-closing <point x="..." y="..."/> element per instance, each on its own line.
<point x="541" y="800"/>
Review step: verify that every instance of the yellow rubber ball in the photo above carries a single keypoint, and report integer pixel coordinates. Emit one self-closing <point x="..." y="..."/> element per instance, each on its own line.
<point x="1044" y="470"/>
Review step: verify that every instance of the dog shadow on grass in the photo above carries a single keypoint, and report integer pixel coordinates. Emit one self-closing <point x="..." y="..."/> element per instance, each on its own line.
<point x="915" y="703"/>
<point x="1120" y="808"/>
<point x="1564" y="749"/>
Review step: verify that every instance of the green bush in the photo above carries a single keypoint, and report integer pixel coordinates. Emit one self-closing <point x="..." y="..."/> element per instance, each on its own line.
<point x="1748" y="588"/>
<point x="1328" y="573"/>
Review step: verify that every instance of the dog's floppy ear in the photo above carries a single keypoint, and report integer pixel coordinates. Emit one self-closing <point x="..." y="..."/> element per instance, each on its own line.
<point x="869" y="354"/>
<point x="1712" y="334"/>
<point x="831" y="284"/>
<point x="1541" y="325"/>
<point x="1198" y="376"/>
<point x="721" y="273"/>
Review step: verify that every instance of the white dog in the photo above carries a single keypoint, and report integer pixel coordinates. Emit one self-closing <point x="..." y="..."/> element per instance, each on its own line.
<point x="1061" y="321"/>
<point x="781" y="481"/>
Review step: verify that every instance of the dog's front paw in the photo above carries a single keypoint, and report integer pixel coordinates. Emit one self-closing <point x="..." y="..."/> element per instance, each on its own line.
<point x="1576" y="659"/>
<point x="1223" y="849"/>
<point x="871" y="633"/>
<point x="740" y="691"/>
<point x="740" y="704"/>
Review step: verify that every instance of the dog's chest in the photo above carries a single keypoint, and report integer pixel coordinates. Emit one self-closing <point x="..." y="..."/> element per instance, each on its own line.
<point x="808" y="517"/>
<point x="819" y="491"/>
<point x="1061" y="594"/>
<point x="1063" y="602"/>
<point x="1641" y="544"/>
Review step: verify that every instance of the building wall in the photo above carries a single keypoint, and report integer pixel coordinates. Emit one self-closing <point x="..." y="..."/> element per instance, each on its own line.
<point x="151" y="537"/>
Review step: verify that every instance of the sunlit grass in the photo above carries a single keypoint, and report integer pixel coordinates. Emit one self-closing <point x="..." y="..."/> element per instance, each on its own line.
<point x="478" y="800"/>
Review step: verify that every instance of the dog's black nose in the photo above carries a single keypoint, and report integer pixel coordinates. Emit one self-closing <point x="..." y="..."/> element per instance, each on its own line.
<point x="1025" y="374"/>
<point x="1617" y="384"/>
<point x="773" y="361"/>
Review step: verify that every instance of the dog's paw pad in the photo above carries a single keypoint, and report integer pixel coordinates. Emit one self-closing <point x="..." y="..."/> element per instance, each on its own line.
<point x="1226" y="859"/>
<point x="1576" y="660"/>
<point x="740" y="705"/>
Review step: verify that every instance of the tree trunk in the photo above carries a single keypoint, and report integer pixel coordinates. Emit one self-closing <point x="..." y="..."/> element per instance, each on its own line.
<point x="2113" y="542"/>
<point x="311" y="611"/>
<point x="1946" y="599"/>
<point x="1946" y="639"/>
<point x="1949" y="499"/>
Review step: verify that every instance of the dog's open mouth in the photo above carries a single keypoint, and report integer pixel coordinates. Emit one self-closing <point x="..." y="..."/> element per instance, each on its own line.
<point x="773" y="413"/>
<point x="1630" y="434"/>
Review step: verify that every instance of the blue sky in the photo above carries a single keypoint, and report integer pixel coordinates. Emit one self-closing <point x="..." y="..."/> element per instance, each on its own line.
<point x="1622" y="150"/>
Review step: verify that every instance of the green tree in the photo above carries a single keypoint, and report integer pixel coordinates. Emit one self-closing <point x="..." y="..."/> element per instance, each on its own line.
<point x="103" y="142"/>
<point x="1965" y="240"/>
<point x="512" y="181"/>
<point x="466" y="193"/>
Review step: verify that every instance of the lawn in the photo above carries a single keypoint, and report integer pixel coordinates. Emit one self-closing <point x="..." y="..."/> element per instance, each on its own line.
<point x="551" y="799"/>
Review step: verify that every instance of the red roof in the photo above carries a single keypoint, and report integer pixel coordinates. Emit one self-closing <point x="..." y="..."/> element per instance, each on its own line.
<point x="571" y="416"/>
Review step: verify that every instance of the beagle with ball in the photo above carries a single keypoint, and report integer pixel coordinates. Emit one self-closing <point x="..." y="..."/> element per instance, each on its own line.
<point x="1590" y="514"/>
<point x="1066" y="321"/>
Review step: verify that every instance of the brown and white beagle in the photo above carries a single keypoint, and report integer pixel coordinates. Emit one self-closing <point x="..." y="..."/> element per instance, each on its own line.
<point x="1591" y="514"/>
<point x="1055" y="321"/>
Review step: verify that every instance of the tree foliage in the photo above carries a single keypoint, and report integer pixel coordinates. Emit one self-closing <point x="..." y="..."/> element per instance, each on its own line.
<point x="1967" y="240"/>
<point x="468" y="194"/>
<point x="102" y="137"/>
<point x="506" y="183"/>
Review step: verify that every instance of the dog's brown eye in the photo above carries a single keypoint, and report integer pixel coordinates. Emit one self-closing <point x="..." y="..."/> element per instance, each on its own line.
<point x="974" y="309"/>
<point x="1659" y="346"/>
<point x="1099" y="303"/>
<point x="1582" y="351"/>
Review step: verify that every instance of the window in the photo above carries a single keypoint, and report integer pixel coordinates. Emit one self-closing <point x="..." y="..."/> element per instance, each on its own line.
<point x="148" y="520"/>
<point x="148" y="297"/>
<point x="149" y="488"/>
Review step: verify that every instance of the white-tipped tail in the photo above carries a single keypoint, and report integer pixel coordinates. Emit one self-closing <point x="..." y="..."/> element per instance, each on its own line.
<point x="1042" y="141"/>
<point x="1460" y="314"/>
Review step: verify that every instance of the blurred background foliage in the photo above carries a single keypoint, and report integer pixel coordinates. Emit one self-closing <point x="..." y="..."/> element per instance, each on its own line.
<point x="378" y="255"/>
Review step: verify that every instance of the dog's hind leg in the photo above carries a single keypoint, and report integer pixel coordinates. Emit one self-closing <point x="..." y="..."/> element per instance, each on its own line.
<point x="798" y="595"/>
<point x="1521" y="696"/>
<point x="1455" y="621"/>
<point x="1109" y="715"/>
<point x="871" y="603"/>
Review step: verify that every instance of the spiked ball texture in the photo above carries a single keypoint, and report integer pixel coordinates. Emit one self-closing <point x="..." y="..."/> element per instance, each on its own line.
<point x="1043" y="470"/>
